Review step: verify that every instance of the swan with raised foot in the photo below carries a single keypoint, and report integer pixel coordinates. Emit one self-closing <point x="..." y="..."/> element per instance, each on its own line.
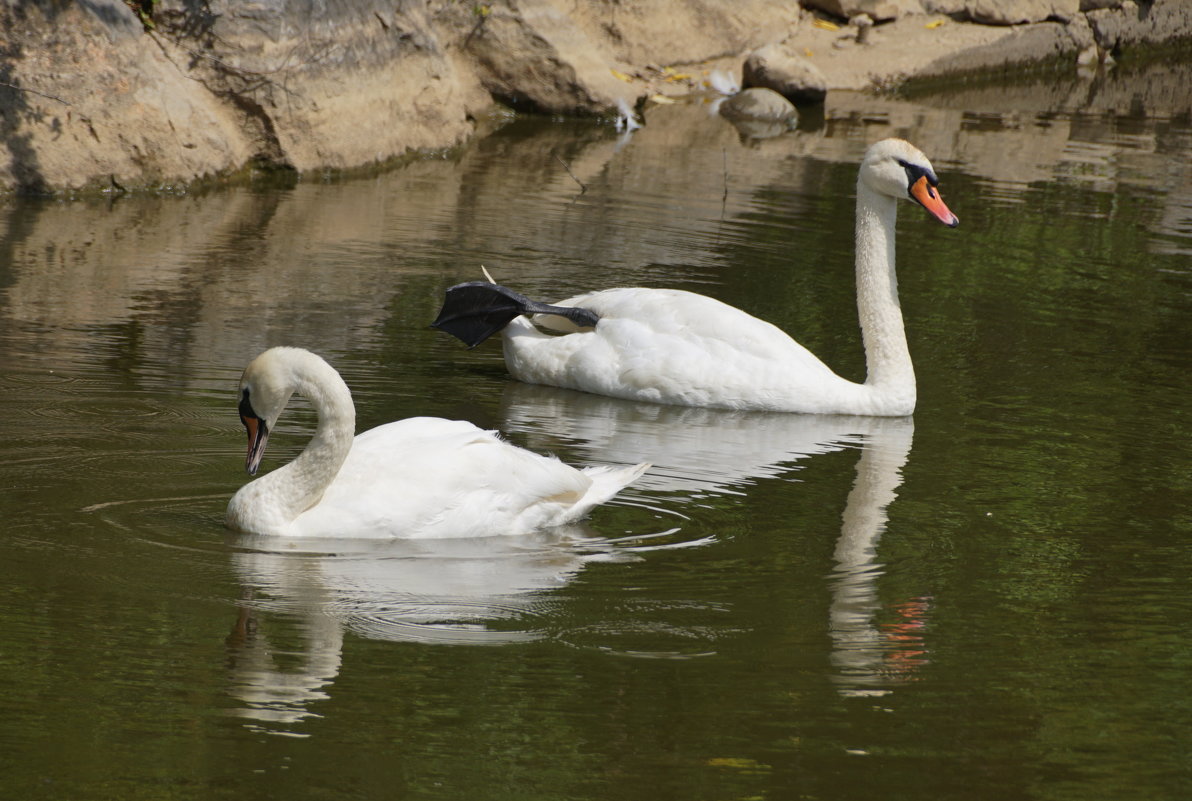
<point x="677" y="347"/>
<point x="419" y="477"/>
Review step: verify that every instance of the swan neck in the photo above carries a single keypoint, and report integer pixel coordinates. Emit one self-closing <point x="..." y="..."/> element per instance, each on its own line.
<point x="301" y="483"/>
<point x="890" y="374"/>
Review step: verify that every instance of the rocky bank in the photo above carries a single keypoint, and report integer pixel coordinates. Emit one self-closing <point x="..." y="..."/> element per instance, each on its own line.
<point x="112" y="95"/>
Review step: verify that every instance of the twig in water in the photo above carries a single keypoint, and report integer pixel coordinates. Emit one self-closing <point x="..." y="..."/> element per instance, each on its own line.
<point x="724" y="197"/>
<point x="582" y="186"/>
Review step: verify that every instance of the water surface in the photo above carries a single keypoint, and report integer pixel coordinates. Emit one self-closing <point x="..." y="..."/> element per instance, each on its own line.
<point x="987" y="600"/>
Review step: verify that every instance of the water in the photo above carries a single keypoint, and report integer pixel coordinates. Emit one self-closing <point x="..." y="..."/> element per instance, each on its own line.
<point x="987" y="601"/>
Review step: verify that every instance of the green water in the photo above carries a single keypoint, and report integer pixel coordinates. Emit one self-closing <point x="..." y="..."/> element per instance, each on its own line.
<point x="989" y="601"/>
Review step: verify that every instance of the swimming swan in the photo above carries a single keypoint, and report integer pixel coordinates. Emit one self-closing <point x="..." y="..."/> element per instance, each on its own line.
<point x="677" y="347"/>
<point x="420" y="477"/>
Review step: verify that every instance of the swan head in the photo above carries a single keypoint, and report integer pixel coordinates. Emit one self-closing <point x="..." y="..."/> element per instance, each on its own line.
<point x="265" y="389"/>
<point x="897" y="168"/>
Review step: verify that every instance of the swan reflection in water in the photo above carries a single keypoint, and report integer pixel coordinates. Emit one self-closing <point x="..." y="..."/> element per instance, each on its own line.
<point x="491" y="590"/>
<point x="480" y="591"/>
<point x="700" y="452"/>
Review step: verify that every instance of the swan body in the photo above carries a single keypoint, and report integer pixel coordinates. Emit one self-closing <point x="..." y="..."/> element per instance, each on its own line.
<point x="677" y="347"/>
<point x="419" y="477"/>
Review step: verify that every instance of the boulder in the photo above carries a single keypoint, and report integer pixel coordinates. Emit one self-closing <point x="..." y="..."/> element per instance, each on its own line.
<point x="878" y="10"/>
<point x="325" y="85"/>
<point x="1017" y="12"/>
<point x="1044" y="41"/>
<point x="760" y="104"/>
<point x="793" y="77"/>
<point x="1163" y="21"/>
<point x="89" y="102"/>
<point x="535" y="58"/>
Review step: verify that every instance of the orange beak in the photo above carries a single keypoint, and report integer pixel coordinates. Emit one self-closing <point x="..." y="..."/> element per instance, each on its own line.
<point x="930" y="199"/>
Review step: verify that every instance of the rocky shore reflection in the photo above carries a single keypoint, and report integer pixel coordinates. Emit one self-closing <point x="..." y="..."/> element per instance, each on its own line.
<point x="224" y="272"/>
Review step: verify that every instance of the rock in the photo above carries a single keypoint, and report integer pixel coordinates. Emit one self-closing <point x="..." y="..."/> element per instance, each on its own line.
<point x="1043" y="41"/>
<point x="793" y="77"/>
<point x="1017" y="12"/>
<point x="1163" y="21"/>
<point x="559" y="56"/>
<point x="216" y="86"/>
<point x="535" y="58"/>
<point x="1082" y="33"/>
<point x="674" y="32"/>
<point x="304" y="76"/>
<point x="761" y="104"/>
<point x="90" y="99"/>
<point x="759" y="113"/>
<point x="91" y="102"/>
<point x="878" y="10"/>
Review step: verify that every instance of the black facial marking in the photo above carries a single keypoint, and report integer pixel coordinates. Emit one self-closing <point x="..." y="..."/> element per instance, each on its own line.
<point x="916" y="171"/>
<point x="246" y="410"/>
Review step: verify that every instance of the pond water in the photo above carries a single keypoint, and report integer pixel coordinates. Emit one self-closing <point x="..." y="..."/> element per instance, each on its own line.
<point x="987" y="601"/>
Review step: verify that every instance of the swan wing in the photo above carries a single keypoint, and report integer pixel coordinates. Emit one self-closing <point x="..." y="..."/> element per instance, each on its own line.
<point x="669" y="346"/>
<point x="429" y="477"/>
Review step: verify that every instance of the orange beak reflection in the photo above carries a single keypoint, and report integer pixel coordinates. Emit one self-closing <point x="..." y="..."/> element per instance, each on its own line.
<point x="930" y="199"/>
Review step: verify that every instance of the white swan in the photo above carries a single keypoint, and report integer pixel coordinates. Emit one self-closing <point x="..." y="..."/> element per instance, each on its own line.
<point x="677" y="347"/>
<point x="421" y="477"/>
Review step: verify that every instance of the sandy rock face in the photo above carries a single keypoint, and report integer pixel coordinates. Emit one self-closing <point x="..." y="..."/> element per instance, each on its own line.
<point x="1133" y="23"/>
<point x="877" y="10"/>
<point x="326" y="85"/>
<point x="91" y="101"/>
<point x="538" y="59"/>
<point x="1016" y="12"/>
<point x="92" y="97"/>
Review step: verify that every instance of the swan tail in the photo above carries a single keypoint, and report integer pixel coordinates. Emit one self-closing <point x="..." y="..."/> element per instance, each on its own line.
<point x="474" y="311"/>
<point x="606" y="482"/>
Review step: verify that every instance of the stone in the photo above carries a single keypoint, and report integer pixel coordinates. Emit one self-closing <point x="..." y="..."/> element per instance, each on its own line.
<point x="1042" y="41"/>
<point x="304" y="77"/>
<point x="759" y="103"/>
<point x="90" y="102"/>
<point x="878" y="10"/>
<point x="1082" y="33"/>
<point x="793" y="77"/>
<point x="1163" y="21"/>
<point x="1017" y="12"/>
<point x="90" y="99"/>
<point x="535" y="58"/>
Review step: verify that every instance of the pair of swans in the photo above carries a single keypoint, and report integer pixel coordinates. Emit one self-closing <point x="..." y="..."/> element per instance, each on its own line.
<point x="429" y="477"/>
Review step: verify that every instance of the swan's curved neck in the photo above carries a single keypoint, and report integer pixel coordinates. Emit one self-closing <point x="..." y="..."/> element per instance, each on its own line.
<point x="891" y="376"/>
<point x="299" y="485"/>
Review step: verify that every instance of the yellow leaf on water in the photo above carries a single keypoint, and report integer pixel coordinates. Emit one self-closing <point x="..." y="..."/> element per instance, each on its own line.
<point x="621" y="76"/>
<point x="807" y="52"/>
<point x="935" y="23"/>
<point x="743" y="764"/>
<point x="678" y="76"/>
<point x="662" y="100"/>
<point x="827" y="26"/>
